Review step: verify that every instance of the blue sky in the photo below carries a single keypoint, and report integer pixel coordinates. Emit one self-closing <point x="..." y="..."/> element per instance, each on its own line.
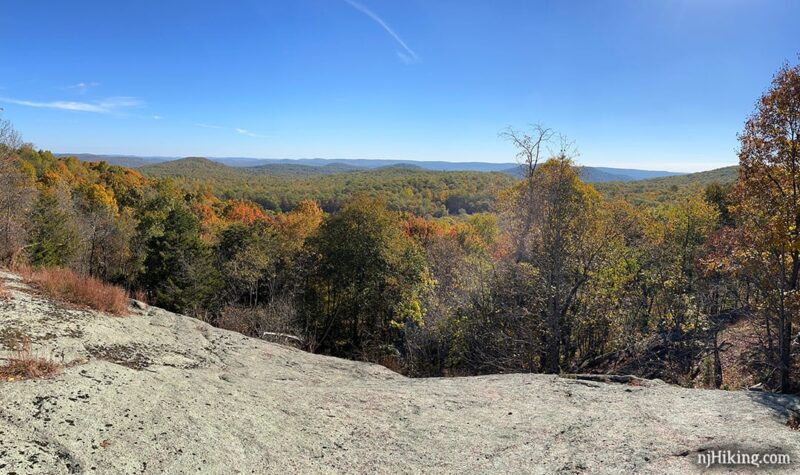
<point x="636" y="83"/>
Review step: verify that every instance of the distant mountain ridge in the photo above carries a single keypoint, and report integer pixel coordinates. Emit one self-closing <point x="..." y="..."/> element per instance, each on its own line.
<point x="129" y="161"/>
<point x="338" y="165"/>
<point x="200" y="166"/>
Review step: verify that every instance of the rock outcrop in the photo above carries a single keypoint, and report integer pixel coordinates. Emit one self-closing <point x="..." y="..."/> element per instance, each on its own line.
<point x="156" y="392"/>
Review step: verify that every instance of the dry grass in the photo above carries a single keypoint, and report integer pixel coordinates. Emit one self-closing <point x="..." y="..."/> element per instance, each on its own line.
<point x="66" y="285"/>
<point x="3" y="290"/>
<point x="23" y="364"/>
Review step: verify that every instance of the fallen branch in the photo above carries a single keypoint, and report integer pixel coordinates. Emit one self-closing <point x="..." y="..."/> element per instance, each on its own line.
<point x="283" y="335"/>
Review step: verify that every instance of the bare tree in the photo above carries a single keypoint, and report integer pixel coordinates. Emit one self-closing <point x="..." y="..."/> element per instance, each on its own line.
<point x="530" y="150"/>
<point x="558" y="227"/>
<point x="16" y="197"/>
<point x="529" y="145"/>
<point x="10" y="140"/>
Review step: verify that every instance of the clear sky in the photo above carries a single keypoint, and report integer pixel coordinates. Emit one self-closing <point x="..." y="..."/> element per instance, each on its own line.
<point x="636" y="83"/>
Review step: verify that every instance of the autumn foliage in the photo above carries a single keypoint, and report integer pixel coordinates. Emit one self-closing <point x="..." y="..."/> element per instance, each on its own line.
<point x="243" y="212"/>
<point x="446" y="274"/>
<point x="767" y="205"/>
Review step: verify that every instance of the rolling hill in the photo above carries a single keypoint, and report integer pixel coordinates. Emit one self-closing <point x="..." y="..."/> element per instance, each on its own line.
<point x="434" y="188"/>
<point x="280" y="186"/>
<point x="336" y="165"/>
<point x="655" y="191"/>
<point x="129" y="161"/>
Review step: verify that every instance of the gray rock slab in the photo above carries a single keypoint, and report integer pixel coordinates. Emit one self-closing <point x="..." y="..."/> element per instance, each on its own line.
<point x="157" y="392"/>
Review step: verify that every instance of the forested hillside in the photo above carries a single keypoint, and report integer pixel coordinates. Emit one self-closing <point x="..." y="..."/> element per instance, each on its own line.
<point x="692" y="279"/>
<point x="280" y="187"/>
<point x="425" y="295"/>
<point x="657" y="191"/>
<point x="590" y="174"/>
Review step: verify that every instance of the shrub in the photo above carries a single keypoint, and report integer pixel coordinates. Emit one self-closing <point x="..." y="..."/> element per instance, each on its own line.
<point x="64" y="284"/>
<point x="23" y="364"/>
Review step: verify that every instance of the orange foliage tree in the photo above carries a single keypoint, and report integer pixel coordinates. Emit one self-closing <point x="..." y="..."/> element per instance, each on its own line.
<point x="768" y="209"/>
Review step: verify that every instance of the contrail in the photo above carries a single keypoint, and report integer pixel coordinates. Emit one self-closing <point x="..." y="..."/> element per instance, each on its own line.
<point x="409" y="56"/>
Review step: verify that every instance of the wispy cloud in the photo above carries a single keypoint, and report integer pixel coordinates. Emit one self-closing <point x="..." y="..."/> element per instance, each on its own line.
<point x="238" y="130"/>
<point x="82" y="87"/>
<point x="106" y="106"/>
<point x="157" y="117"/>
<point x="248" y="133"/>
<point x="408" y="55"/>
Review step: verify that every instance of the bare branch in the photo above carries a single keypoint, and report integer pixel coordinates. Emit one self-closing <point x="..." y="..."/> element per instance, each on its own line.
<point x="10" y="139"/>
<point x="529" y="145"/>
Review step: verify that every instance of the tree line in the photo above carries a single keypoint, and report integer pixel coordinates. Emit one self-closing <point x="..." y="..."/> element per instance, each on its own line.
<point x="555" y="278"/>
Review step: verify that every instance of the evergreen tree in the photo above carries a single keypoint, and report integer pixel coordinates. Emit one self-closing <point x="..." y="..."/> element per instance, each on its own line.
<point x="178" y="270"/>
<point x="54" y="238"/>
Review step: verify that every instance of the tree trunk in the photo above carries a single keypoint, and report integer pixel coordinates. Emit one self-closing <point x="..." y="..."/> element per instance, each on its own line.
<point x="717" y="363"/>
<point x="786" y="355"/>
<point x="552" y="361"/>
